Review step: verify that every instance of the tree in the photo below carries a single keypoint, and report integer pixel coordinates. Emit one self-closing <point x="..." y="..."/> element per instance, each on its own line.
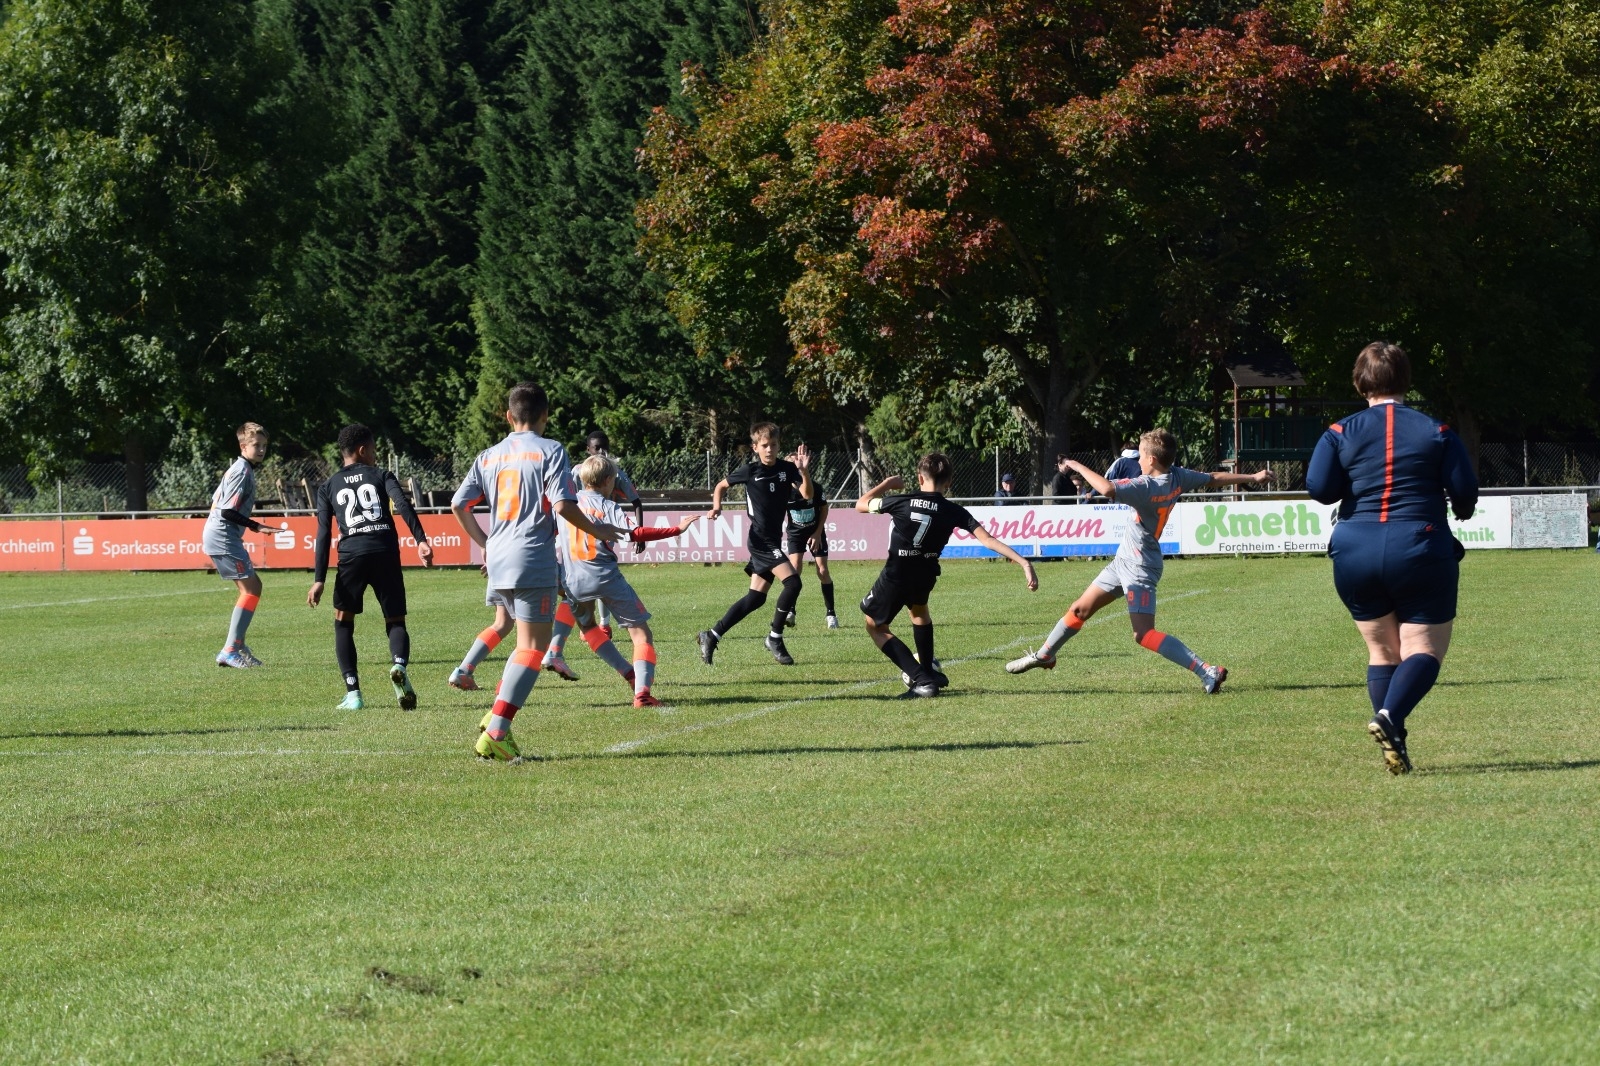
<point x="561" y="295"/>
<point x="1063" y="186"/>
<point x="152" y="170"/>
<point x="396" y="239"/>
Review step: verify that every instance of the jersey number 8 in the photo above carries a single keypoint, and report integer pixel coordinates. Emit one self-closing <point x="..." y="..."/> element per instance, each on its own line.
<point x="507" y="494"/>
<point x="367" y="497"/>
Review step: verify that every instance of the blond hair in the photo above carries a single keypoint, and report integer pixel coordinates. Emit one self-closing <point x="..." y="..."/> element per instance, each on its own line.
<point x="1161" y="444"/>
<point x="249" y="430"/>
<point x="596" y="471"/>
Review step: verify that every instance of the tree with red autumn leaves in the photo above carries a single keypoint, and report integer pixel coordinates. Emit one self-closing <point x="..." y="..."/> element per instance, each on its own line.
<point x="899" y="196"/>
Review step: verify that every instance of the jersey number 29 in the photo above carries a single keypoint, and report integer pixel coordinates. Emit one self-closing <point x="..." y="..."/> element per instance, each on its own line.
<point x="367" y="497"/>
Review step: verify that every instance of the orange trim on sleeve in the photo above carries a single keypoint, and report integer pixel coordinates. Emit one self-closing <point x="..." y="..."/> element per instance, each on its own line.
<point x="1337" y="428"/>
<point x="1388" y="461"/>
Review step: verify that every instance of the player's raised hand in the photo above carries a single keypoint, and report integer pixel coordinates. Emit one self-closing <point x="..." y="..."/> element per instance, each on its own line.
<point x="425" y="553"/>
<point x="894" y="481"/>
<point x="802" y="457"/>
<point x="1261" y="477"/>
<point x="691" y="520"/>
<point x="715" y="512"/>
<point x="314" y="597"/>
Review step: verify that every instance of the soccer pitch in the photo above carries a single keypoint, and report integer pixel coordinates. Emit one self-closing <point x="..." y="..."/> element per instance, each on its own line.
<point x="1095" y="864"/>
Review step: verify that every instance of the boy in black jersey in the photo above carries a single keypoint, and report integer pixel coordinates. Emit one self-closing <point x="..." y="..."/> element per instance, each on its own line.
<point x="923" y="522"/>
<point x="769" y="482"/>
<point x="808" y="531"/>
<point x="358" y="496"/>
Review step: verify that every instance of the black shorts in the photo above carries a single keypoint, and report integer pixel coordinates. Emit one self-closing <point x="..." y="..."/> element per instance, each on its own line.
<point x="1407" y="569"/>
<point x="800" y="542"/>
<point x="380" y="572"/>
<point x="891" y="592"/>
<point x="764" y="558"/>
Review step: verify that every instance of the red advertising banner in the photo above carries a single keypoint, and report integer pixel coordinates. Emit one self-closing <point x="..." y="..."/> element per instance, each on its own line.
<point x="30" y="545"/>
<point x="175" y="544"/>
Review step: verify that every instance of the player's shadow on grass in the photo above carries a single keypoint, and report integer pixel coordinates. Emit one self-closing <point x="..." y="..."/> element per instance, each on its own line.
<point x="88" y="734"/>
<point x="1529" y="767"/>
<point x="865" y="749"/>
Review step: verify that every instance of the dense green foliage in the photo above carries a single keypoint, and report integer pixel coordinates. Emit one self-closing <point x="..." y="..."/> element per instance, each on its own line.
<point x="1091" y="865"/>
<point x="938" y="223"/>
<point x="1103" y="201"/>
<point x="155" y="168"/>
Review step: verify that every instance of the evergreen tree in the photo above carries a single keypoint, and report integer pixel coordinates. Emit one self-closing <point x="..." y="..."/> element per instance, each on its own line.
<point x="396" y="241"/>
<point x="562" y="294"/>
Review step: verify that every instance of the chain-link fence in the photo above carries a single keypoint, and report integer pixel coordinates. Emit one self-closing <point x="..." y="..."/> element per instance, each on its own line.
<point x="291" y="484"/>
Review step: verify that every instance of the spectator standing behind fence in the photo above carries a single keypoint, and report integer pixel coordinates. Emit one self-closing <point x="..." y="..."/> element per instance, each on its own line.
<point x="1395" y="562"/>
<point x="1081" y="492"/>
<point x="1061" y="483"/>
<point x="1125" y="465"/>
<point x="1007" y="492"/>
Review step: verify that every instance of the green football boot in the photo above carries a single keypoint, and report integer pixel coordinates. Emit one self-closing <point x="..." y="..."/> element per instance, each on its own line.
<point x="498" y="750"/>
<point x="352" y="701"/>
<point x="402" y="688"/>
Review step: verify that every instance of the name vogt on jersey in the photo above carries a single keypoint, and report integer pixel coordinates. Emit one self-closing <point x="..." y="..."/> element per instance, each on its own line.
<point x="362" y="510"/>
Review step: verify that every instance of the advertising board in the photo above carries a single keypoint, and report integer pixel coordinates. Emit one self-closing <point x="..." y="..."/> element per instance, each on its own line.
<point x="1196" y="527"/>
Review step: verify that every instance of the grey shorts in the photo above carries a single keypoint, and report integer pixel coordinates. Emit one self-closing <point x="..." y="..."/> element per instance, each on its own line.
<point x="1134" y="582"/>
<point x="613" y="590"/>
<point x="230" y="568"/>
<point x="531" y="605"/>
<point x="491" y="598"/>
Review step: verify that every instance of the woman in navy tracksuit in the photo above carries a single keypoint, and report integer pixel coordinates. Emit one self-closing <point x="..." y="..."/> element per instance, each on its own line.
<point x="1395" y="562"/>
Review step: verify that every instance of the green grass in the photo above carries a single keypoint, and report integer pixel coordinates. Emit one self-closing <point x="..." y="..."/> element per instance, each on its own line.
<point x="1092" y="865"/>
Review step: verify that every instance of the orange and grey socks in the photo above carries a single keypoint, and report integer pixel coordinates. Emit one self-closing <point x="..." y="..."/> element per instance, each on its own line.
<point x="1064" y="631"/>
<point x="486" y="642"/>
<point x="244" y="609"/>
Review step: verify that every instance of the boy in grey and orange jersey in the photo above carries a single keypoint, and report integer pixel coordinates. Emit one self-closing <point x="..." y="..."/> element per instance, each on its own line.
<point x="593" y="580"/>
<point x="1136" y="568"/>
<point x="527" y="482"/>
<point x="222" y="538"/>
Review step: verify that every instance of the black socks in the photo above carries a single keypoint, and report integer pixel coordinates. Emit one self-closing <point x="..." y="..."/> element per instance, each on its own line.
<point x="344" y="646"/>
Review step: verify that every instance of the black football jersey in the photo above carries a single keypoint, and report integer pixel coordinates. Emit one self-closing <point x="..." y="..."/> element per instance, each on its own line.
<point x="923" y="522"/>
<point x="359" y="498"/>
<point x="766" y="496"/>
<point x="803" y="512"/>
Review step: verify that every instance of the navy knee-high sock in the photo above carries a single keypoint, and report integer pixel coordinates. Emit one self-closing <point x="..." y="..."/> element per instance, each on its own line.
<point x="1378" y="679"/>
<point x="1412" y="679"/>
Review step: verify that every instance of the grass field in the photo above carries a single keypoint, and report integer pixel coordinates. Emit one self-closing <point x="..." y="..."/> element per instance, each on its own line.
<point x="1093" y="865"/>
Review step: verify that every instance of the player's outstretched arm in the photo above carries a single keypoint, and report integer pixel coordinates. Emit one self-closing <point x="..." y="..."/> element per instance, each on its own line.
<point x="1223" y="477"/>
<point x="1000" y="547"/>
<point x="1094" y="480"/>
<point x="573" y="515"/>
<point x="893" y="481"/>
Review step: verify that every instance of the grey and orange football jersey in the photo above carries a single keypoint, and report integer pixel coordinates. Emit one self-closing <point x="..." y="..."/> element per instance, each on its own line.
<point x="237" y="492"/>
<point x="522" y="478"/>
<point x="587" y="562"/>
<point x="1152" y="497"/>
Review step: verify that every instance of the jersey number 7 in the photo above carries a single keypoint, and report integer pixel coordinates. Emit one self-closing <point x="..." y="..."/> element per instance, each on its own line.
<point x="924" y="523"/>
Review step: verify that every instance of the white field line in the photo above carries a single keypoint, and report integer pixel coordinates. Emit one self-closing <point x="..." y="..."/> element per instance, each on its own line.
<point x="108" y="599"/>
<point x="837" y="693"/>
